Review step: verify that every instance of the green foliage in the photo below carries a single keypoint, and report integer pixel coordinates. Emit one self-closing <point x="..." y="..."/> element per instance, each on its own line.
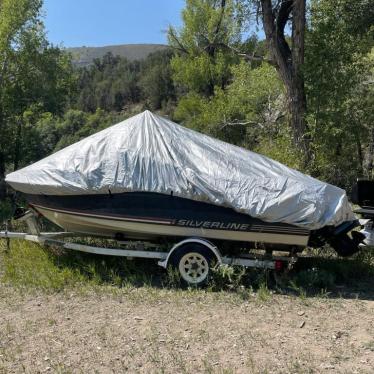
<point x="249" y="113"/>
<point x="113" y="83"/>
<point x="280" y="147"/>
<point x="84" y="56"/>
<point x="5" y="211"/>
<point x="35" y="77"/>
<point x="315" y="279"/>
<point x="337" y="70"/>
<point x="249" y="107"/>
<point x="156" y="84"/>
<point x="109" y="83"/>
<point x="29" y="266"/>
<point x="313" y="275"/>
<point x="204" y="60"/>
<point x="233" y="100"/>
<point x="55" y="133"/>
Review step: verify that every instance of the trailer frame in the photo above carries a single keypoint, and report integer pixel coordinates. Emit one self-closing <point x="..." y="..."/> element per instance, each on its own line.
<point x="126" y="249"/>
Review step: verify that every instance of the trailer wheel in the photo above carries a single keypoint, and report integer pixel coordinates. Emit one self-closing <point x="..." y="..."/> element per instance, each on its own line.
<point x="193" y="262"/>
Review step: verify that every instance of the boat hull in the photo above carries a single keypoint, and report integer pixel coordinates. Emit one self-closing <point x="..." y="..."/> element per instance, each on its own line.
<point x="149" y="216"/>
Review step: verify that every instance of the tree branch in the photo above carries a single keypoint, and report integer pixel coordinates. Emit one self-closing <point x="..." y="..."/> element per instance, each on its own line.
<point x="175" y="38"/>
<point x="238" y="123"/>
<point x="247" y="56"/>
<point x="281" y="21"/>
<point x="283" y="14"/>
<point x="218" y="27"/>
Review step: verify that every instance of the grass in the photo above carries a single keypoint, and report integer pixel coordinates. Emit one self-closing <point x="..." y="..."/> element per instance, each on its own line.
<point x="167" y="337"/>
<point x="30" y="266"/>
<point x="369" y="345"/>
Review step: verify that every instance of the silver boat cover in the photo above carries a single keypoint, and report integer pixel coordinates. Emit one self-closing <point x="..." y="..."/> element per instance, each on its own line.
<point x="153" y="154"/>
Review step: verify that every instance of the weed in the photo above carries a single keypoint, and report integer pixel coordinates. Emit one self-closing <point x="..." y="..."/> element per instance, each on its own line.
<point x="173" y="278"/>
<point x="30" y="266"/>
<point x="225" y="276"/>
<point x="300" y="290"/>
<point x="263" y="292"/>
<point x="245" y="293"/>
<point x="237" y="279"/>
<point x="369" y="345"/>
<point x="315" y="279"/>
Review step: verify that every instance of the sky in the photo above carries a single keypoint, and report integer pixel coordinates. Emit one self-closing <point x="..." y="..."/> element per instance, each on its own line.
<point x="94" y="23"/>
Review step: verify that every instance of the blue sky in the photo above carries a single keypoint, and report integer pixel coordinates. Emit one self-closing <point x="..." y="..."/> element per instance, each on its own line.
<point x="75" y="23"/>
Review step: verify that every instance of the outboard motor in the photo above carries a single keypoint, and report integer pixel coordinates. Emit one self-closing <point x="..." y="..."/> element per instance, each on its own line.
<point x="363" y="195"/>
<point x="345" y="240"/>
<point x="347" y="245"/>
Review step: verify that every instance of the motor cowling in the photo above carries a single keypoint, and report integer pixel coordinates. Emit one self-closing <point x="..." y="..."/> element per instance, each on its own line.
<point x="343" y="238"/>
<point x="346" y="245"/>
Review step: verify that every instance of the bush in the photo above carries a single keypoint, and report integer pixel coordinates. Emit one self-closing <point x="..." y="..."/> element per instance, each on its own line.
<point x="5" y="210"/>
<point x="315" y="279"/>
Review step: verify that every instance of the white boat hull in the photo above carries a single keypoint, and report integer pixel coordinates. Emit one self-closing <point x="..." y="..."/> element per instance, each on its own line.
<point x="149" y="229"/>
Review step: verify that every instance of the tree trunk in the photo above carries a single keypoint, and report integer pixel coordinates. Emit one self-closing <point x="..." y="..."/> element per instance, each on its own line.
<point x="297" y="108"/>
<point x="289" y="62"/>
<point x="2" y="177"/>
<point x="298" y="97"/>
<point x="370" y="157"/>
<point x="2" y="156"/>
<point x="17" y="145"/>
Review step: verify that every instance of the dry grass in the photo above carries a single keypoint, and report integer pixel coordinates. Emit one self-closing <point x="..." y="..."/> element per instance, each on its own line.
<point x="183" y="332"/>
<point x="76" y="313"/>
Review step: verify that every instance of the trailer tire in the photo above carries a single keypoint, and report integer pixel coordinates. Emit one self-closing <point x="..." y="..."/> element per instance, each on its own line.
<point x="193" y="261"/>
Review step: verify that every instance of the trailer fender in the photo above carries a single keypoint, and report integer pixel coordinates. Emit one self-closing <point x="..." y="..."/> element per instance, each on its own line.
<point x="204" y="242"/>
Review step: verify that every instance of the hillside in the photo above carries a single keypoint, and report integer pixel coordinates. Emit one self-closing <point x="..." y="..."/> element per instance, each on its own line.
<point x="83" y="56"/>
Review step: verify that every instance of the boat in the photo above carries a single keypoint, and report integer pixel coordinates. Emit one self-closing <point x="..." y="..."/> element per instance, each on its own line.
<point x="152" y="216"/>
<point x="148" y="178"/>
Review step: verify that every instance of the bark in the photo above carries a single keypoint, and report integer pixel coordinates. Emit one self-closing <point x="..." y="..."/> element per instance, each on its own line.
<point x="370" y="164"/>
<point x="2" y="176"/>
<point x="2" y="158"/>
<point x="360" y="156"/>
<point x="289" y="62"/>
<point x="17" y="145"/>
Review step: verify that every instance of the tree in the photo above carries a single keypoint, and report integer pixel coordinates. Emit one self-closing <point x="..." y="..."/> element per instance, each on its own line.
<point x="35" y="77"/>
<point x="110" y="83"/>
<point x="287" y="53"/>
<point x="250" y="109"/>
<point x="288" y="58"/>
<point x="17" y="20"/>
<point x="338" y="72"/>
<point x="156" y="81"/>
<point x="211" y="41"/>
<point x="202" y="61"/>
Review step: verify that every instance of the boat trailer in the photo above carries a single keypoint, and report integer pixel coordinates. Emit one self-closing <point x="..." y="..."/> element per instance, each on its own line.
<point x="191" y="256"/>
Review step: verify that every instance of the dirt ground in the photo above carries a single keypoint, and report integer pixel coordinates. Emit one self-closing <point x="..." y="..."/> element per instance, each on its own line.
<point x="155" y="331"/>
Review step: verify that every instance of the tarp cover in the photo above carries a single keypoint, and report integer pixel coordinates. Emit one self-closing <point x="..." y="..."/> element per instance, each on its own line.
<point x="150" y="153"/>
